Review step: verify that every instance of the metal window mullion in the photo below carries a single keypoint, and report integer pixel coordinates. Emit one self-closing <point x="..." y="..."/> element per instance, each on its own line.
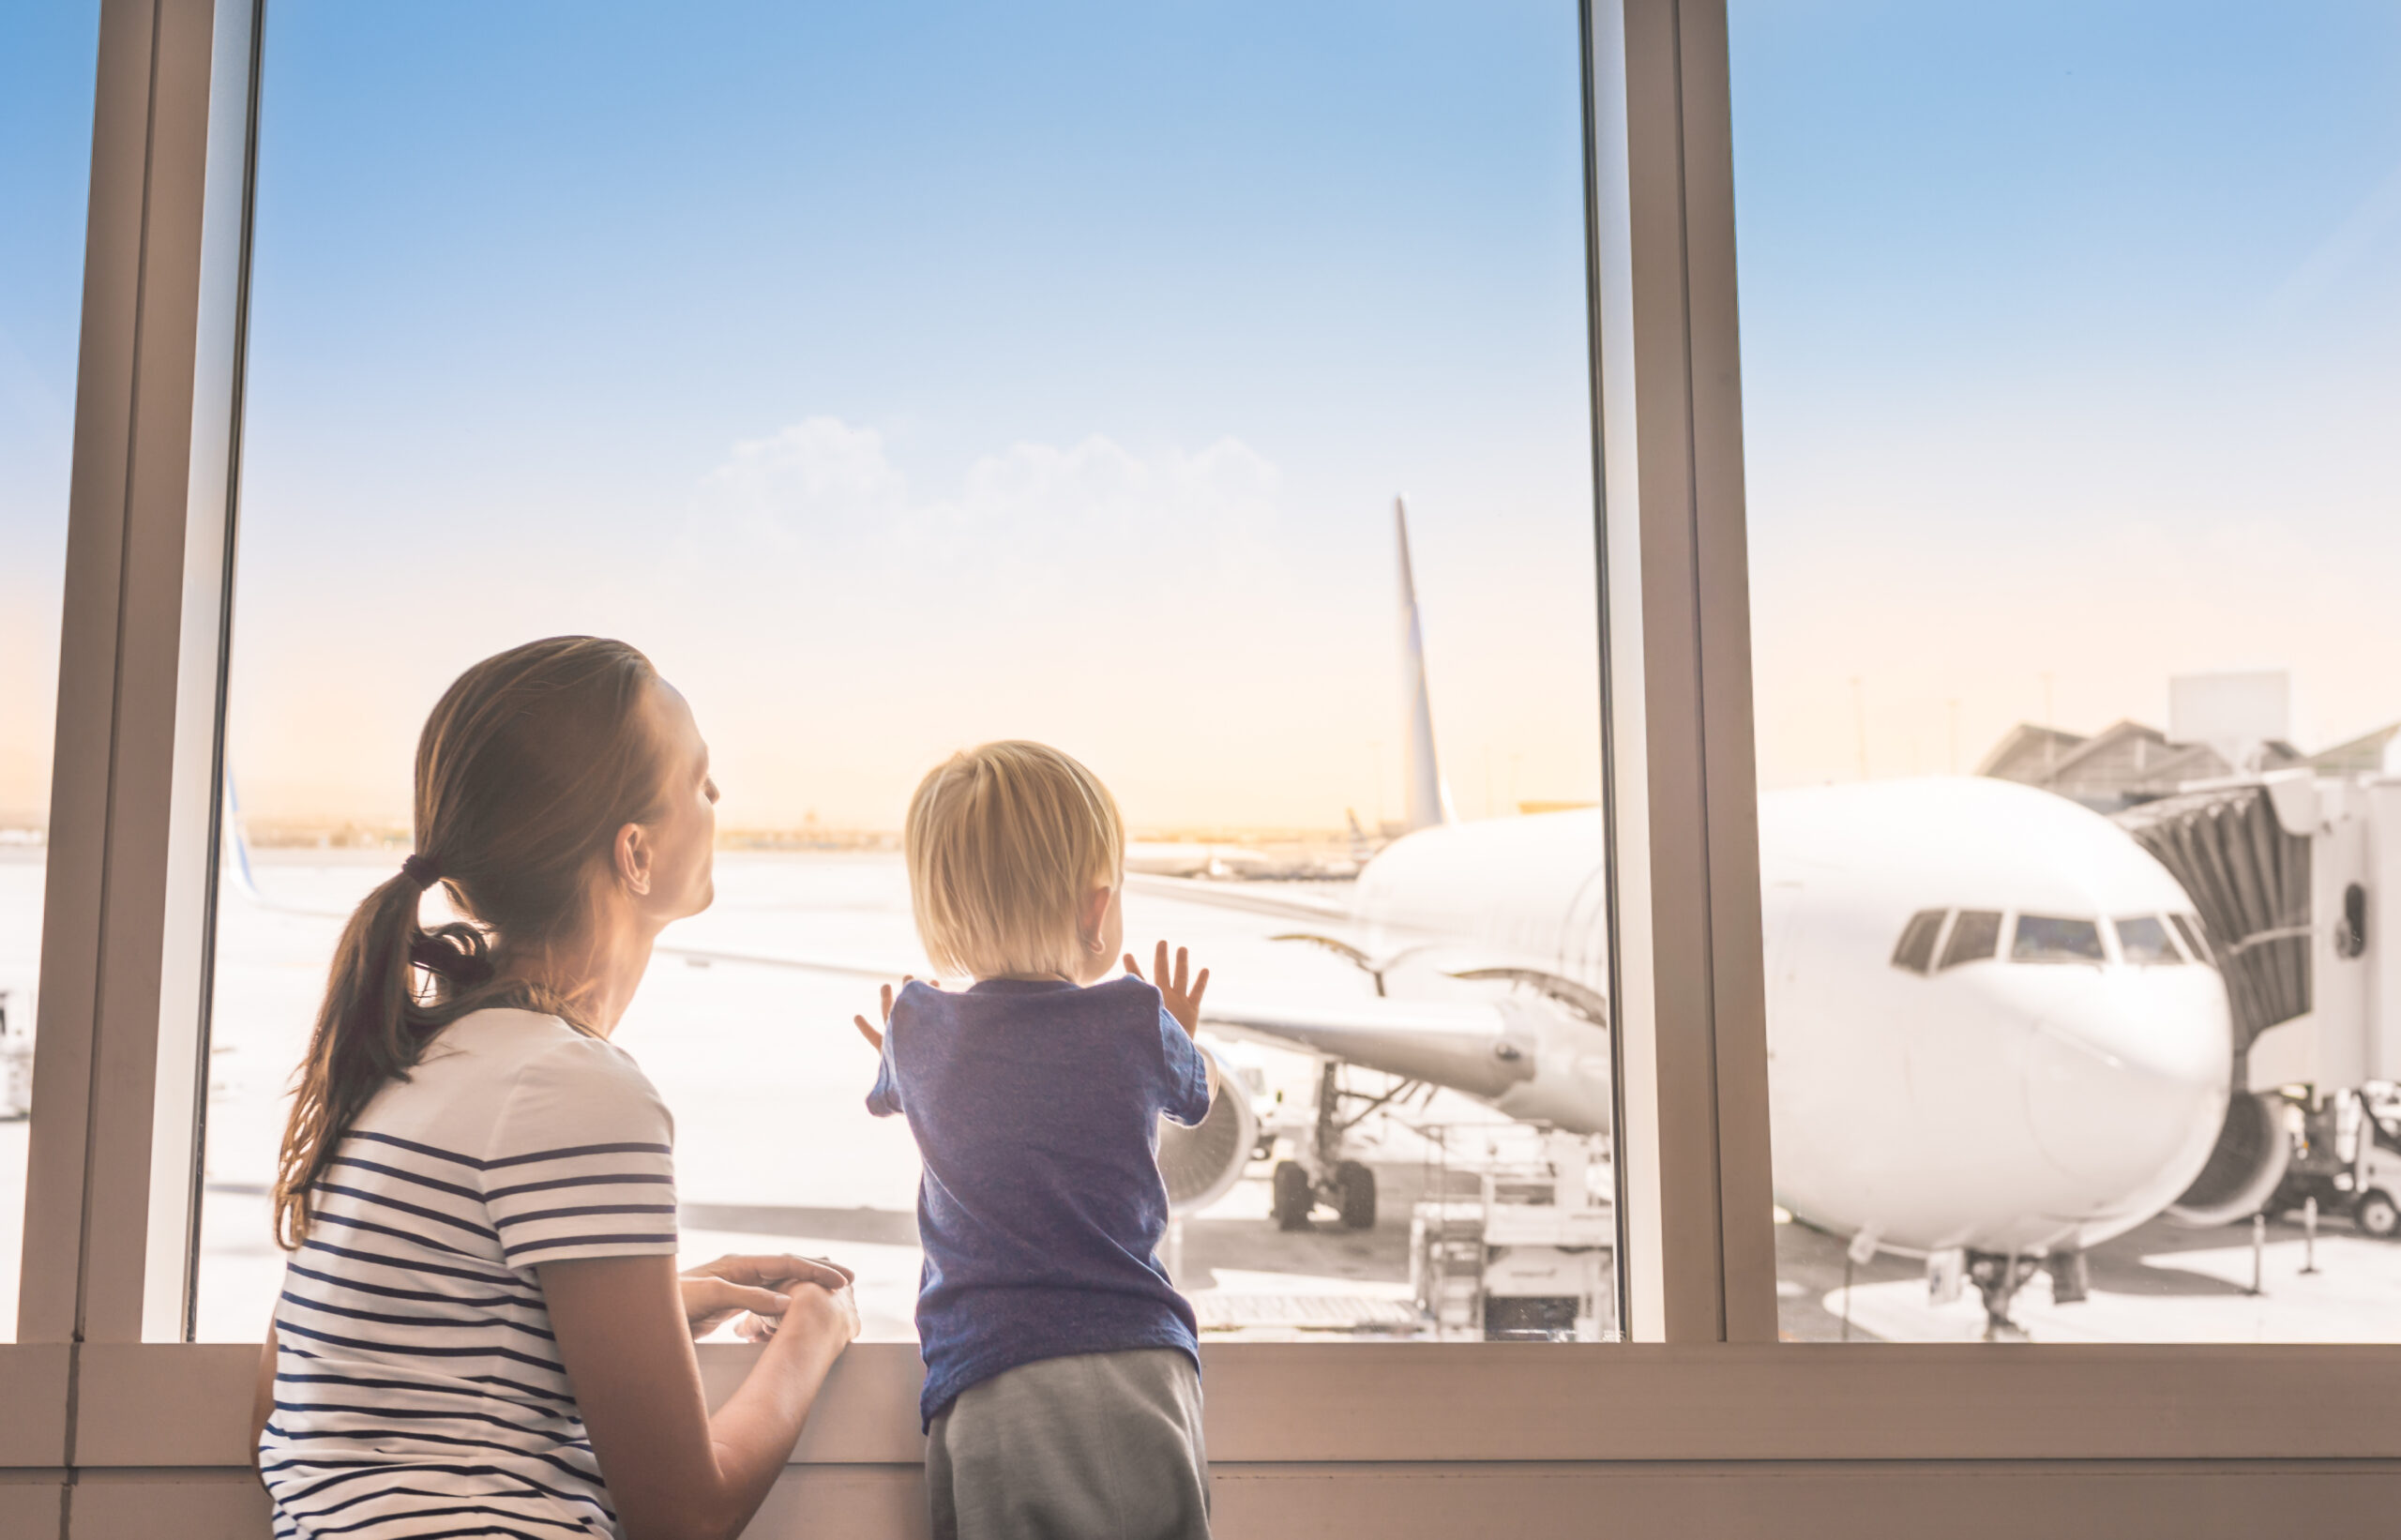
<point x="1722" y="557"/>
<point x="84" y="734"/>
<point x="139" y="689"/>
<point x="1677" y="552"/>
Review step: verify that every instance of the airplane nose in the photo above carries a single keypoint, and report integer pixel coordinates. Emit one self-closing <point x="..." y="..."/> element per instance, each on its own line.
<point x="2126" y="1081"/>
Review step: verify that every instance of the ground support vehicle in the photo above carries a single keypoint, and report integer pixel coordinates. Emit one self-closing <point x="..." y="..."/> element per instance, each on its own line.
<point x="1522" y="1248"/>
<point x="2346" y="1154"/>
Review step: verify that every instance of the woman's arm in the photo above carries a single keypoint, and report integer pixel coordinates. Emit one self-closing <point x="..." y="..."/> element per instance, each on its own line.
<point x="673" y="1471"/>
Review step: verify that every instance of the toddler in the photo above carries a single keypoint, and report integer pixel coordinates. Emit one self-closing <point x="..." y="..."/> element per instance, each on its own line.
<point x="1063" y="1375"/>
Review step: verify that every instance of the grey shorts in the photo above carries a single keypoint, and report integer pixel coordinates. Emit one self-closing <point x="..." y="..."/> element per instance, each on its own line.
<point x="1099" y="1446"/>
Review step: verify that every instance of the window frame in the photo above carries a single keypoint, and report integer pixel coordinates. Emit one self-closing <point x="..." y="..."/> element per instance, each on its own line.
<point x="91" y="1401"/>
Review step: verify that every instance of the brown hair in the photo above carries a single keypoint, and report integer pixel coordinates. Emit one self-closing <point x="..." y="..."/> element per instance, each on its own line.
<point x="530" y="764"/>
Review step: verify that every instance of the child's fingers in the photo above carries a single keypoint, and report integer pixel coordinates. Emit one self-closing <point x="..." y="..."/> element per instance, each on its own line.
<point x="1158" y="969"/>
<point x="887" y="1000"/>
<point x="1133" y="969"/>
<point x="875" y="1038"/>
<point x="1200" y="988"/>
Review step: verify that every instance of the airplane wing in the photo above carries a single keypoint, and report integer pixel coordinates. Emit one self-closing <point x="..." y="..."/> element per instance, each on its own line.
<point x="1474" y="1047"/>
<point x="1250" y="898"/>
<point x="701" y="957"/>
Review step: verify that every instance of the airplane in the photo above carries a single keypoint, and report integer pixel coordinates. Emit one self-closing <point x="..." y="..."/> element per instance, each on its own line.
<point x="1993" y="1025"/>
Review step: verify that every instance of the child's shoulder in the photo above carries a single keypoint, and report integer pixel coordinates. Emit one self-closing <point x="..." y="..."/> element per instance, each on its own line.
<point x="1126" y="988"/>
<point x="1113" y="1000"/>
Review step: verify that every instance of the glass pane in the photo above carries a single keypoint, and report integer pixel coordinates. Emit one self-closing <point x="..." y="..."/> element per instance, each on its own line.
<point x="2143" y="939"/>
<point x="46" y="71"/>
<point x="902" y="380"/>
<point x="2074" y="386"/>
<point x="1975" y="937"/>
<point x="1916" y="949"/>
<point x="2048" y="938"/>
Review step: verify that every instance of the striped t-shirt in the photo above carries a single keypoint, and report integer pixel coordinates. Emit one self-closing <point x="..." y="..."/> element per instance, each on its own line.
<point x="417" y="1389"/>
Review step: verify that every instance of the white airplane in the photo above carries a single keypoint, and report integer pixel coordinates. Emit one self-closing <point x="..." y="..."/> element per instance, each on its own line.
<point x="1992" y="1021"/>
<point x="1992" y="1024"/>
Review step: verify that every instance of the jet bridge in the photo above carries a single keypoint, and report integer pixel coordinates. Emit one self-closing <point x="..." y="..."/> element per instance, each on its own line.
<point x="2290" y="872"/>
<point x="2248" y="875"/>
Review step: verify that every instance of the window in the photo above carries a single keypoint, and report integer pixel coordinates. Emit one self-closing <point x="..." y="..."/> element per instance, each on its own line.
<point x="2142" y="940"/>
<point x="1916" y="949"/>
<point x="2195" y="940"/>
<point x="45" y="119"/>
<point x="2047" y="938"/>
<point x="2069" y="503"/>
<point x="142" y="1404"/>
<point x="1975" y="937"/>
<point x="1046" y="376"/>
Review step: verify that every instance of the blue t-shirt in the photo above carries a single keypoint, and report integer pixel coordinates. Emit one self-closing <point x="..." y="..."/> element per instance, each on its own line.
<point x="1036" y="1108"/>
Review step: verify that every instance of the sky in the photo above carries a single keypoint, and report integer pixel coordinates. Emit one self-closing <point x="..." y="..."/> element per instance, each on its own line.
<point x="2072" y="348"/>
<point x="904" y="376"/>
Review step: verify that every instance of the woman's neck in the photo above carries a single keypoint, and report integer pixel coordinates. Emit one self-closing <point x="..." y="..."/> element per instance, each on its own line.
<point x="598" y="976"/>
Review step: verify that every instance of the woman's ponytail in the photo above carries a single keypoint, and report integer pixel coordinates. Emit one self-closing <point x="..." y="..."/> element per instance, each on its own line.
<point x="529" y="765"/>
<point x="369" y="1031"/>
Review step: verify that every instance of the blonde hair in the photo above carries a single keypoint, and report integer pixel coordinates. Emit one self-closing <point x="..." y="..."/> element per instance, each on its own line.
<point x="1004" y="841"/>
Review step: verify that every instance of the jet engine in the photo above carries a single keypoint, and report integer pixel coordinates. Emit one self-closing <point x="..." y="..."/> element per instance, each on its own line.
<point x="2244" y="1168"/>
<point x="1200" y="1164"/>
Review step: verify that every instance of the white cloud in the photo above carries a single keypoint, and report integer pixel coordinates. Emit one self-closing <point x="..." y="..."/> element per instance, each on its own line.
<point x="819" y="476"/>
<point x="824" y="485"/>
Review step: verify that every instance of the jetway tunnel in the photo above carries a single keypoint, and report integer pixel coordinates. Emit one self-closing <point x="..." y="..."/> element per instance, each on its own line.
<point x="2285" y="870"/>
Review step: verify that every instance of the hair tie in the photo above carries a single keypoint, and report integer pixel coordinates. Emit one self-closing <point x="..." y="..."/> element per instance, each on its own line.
<point x="422" y="871"/>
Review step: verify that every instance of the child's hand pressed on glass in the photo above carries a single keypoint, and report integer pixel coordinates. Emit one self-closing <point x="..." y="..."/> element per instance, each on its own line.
<point x="875" y="1038"/>
<point x="1182" y="1002"/>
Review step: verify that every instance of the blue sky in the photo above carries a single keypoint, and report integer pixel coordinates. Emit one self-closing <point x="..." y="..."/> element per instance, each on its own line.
<point x="908" y="374"/>
<point x="46" y="61"/>
<point x="2069" y="335"/>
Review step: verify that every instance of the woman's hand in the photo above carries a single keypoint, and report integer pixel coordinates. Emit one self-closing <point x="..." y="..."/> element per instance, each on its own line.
<point x="676" y="1471"/>
<point x="716" y="1293"/>
<point x="867" y="1031"/>
<point x="811" y="1311"/>
<point x="1178" y="992"/>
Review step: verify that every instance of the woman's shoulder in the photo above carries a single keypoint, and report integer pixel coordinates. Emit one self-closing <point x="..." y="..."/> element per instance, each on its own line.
<point x="502" y="1047"/>
<point x="533" y="1080"/>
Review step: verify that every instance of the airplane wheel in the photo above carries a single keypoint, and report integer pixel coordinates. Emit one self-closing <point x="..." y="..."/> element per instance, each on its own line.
<point x="1293" y="1198"/>
<point x="2377" y="1216"/>
<point x="1356" y="1188"/>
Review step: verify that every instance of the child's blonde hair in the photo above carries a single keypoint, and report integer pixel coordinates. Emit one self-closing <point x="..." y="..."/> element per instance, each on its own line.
<point x="1005" y="842"/>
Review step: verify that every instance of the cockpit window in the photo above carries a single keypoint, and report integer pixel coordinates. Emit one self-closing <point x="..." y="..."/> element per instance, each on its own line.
<point x="1975" y="936"/>
<point x="1916" y="950"/>
<point x="2142" y="939"/>
<point x="2195" y="940"/>
<point x="2048" y="938"/>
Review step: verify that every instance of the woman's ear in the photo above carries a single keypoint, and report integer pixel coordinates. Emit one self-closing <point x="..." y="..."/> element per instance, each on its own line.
<point x="632" y="860"/>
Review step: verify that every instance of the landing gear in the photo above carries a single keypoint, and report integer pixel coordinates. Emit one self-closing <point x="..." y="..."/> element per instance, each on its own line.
<point x="2071" y="1277"/>
<point x="1350" y="1192"/>
<point x="2377" y="1215"/>
<point x="1322" y="1175"/>
<point x="1999" y="1277"/>
<point x="1294" y="1195"/>
<point x="1355" y="1195"/>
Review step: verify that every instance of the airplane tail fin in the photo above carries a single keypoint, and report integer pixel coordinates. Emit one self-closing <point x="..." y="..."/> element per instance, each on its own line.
<point x="1428" y="800"/>
<point x="234" y="866"/>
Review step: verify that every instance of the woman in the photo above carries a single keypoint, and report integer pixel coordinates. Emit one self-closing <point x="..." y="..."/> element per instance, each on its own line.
<point x="481" y="1330"/>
